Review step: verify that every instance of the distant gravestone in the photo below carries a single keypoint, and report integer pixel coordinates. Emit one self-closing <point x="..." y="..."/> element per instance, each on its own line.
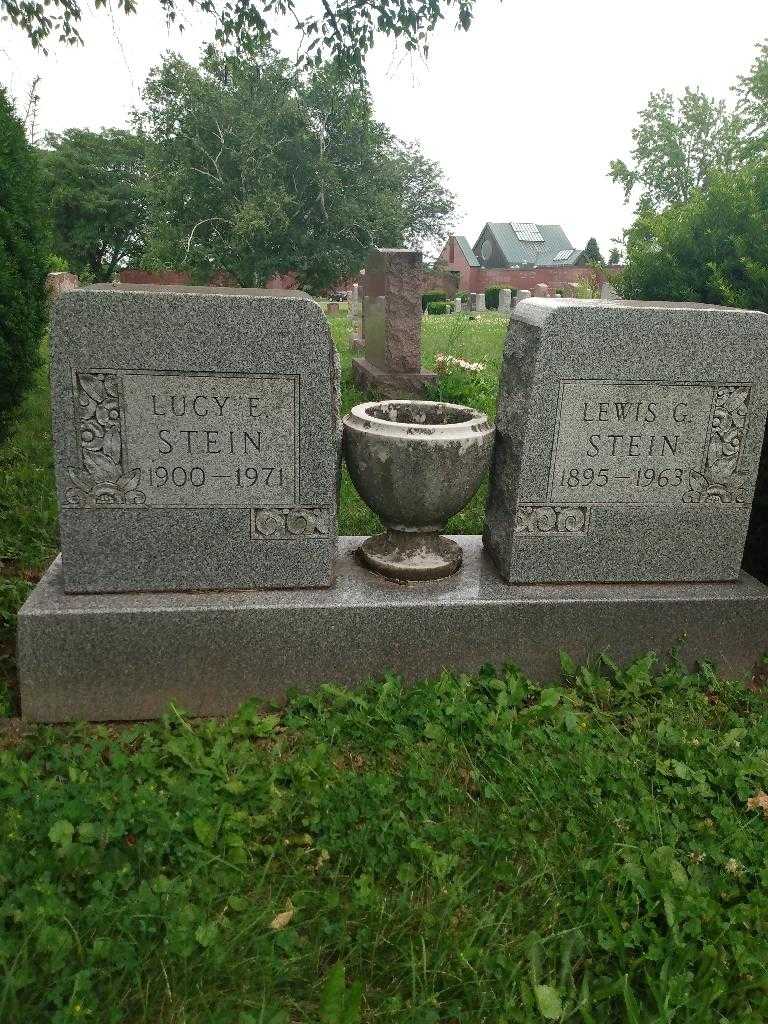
<point x="353" y="300"/>
<point x="392" y="318"/>
<point x="457" y="304"/>
<point x="332" y="309"/>
<point x="522" y="293"/>
<point x="480" y="302"/>
<point x="505" y="301"/>
<point x="628" y="441"/>
<point x="196" y="438"/>
<point x="60" y="281"/>
<point x="541" y="290"/>
<point x="472" y="302"/>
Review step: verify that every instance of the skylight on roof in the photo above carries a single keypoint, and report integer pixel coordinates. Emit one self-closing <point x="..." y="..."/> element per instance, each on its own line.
<point x="526" y="231"/>
<point x="564" y="254"/>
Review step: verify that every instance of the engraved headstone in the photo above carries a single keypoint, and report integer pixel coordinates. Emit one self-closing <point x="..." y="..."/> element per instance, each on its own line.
<point x="480" y="302"/>
<point x="392" y="325"/>
<point x="196" y="437"/>
<point x="628" y="441"/>
<point x="505" y="301"/>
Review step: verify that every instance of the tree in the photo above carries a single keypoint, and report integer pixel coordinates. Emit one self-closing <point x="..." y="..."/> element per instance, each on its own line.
<point x="23" y="256"/>
<point x="258" y="169"/>
<point x="677" y="144"/>
<point x="614" y="257"/>
<point x="97" y="187"/>
<point x="752" y="106"/>
<point x="343" y="30"/>
<point x="590" y="254"/>
<point x="712" y="248"/>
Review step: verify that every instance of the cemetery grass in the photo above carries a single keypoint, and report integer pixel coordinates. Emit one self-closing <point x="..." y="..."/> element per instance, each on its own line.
<point x="462" y="851"/>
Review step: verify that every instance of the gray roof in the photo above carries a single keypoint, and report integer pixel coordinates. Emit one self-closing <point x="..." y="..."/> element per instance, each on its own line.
<point x="518" y="252"/>
<point x="467" y="250"/>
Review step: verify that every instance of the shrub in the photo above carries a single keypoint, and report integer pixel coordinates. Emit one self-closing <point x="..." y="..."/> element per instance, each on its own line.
<point x="24" y="259"/>
<point x="464" y="296"/>
<point x="492" y="296"/>
<point x="428" y="297"/>
<point x="437" y="308"/>
<point x="57" y="264"/>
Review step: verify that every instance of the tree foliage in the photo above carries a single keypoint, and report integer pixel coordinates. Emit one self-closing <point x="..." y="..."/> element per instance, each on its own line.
<point x="677" y="144"/>
<point x="23" y="258"/>
<point x="340" y="29"/>
<point x="752" y="106"/>
<point x="96" y="183"/>
<point x="614" y="257"/>
<point x="590" y="254"/>
<point x="257" y="169"/>
<point x="713" y="248"/>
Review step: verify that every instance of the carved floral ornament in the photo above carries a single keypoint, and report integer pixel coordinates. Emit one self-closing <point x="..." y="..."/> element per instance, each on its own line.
<point x="288" y="522"/>
<point x="537" y="520"/>
<point x="102" y="480"/>
<point x="719" y="480"/>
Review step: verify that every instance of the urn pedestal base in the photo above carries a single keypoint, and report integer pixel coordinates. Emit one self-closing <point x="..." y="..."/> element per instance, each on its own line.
<point x="411" y="557"/>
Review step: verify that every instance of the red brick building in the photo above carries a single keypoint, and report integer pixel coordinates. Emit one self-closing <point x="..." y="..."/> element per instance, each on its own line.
<point x="519" y="254"/>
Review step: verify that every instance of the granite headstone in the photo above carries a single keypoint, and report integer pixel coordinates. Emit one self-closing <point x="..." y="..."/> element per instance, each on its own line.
<point x="392" y="318"/>
<point x="628" y="441"/>
<point x="196" y="435"/>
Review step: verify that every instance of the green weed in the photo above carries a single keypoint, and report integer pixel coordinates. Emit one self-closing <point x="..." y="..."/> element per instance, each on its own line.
<point x="465" y="849"/>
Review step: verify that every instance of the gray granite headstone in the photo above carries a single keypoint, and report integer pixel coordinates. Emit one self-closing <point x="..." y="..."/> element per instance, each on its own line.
<point x="480" y="302"/>
<point x="628" y="441"/>
<point x="505" y="300"/>
<point x="196" y="436"/>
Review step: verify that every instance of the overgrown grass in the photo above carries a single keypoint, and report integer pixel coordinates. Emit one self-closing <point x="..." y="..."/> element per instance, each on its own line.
<point x="466" y="850"/>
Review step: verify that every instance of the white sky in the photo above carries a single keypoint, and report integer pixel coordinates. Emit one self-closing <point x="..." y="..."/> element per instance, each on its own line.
<point x="524" y="112"/>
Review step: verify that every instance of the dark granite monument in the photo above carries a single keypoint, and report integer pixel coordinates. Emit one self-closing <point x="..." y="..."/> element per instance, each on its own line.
<point x="391" y="363"/>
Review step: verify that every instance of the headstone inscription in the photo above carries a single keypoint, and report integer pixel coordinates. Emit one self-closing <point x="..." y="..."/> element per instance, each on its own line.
<point x="196" y="438"/>
<point x="392" y="318"/>
<point x="628" y="441"/>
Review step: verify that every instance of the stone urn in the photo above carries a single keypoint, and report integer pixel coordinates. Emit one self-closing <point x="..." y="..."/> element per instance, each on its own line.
<point x="415" y="464"/>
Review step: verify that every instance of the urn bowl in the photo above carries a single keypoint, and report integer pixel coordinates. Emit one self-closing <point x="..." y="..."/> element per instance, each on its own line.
<point x="415" y="464"/>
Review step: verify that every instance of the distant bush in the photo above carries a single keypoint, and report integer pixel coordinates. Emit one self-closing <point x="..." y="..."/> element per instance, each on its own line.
<point x="428" y="297"/>
<point x="57" y="264"/>
<point x="437" y="308"/>
<point x="464" y="296"/>
<point x="24" y="260"/>
<point x="492" y="296"/>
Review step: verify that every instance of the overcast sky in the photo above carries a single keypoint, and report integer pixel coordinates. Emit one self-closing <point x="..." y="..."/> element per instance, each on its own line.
<point x="524" y="112"/>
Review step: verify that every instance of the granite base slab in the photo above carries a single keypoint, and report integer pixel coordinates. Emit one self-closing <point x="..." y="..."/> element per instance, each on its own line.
<point x="126" y="656"/>
<point x="390" y="383"/>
